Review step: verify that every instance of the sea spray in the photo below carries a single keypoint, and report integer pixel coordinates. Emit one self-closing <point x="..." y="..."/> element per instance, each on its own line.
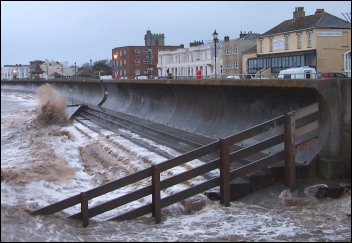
<point x="51" y="106"/>
<point x="42" y="160"/>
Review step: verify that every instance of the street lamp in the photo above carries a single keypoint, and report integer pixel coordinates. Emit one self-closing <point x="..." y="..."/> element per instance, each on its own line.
<point x="114" y="65"/>
<point x="215" y="39"/>
<point x="14" y="76"/>
<point x="75" y="69"/>
<point x="47" y="71"/>
<point x="149" y="62"/>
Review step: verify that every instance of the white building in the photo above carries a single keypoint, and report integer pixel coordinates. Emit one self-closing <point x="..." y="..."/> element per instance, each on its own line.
<point x="53" y="69"/>
<point x="185" y="62"/>
<point x="18" y="71"/>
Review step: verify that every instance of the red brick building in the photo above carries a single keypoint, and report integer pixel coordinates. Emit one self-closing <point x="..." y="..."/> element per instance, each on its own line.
<point x="134" y="61"/>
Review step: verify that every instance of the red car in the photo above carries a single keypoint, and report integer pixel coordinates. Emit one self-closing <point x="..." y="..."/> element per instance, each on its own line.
<point x="328" y="75"/>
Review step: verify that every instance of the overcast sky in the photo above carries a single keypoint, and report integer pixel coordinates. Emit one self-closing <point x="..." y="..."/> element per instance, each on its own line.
<point x="79" y="31"/>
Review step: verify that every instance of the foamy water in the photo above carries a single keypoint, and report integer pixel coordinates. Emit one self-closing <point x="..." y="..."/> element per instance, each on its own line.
<point x="45" y="159"/>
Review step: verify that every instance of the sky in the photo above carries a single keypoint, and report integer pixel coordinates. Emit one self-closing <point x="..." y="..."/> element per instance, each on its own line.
<point x="78" y="31"/>
<point x="44" y="165"/>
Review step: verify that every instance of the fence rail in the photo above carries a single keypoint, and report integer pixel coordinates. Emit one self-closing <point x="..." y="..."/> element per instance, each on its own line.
<point x="291" y="129"/>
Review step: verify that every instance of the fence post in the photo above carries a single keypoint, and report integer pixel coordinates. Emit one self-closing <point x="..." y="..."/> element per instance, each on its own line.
<point x="84" y="209"/>
<point x="224" y="173"/>
<point x="156" y="194"/>
<point x="290" y="152"/>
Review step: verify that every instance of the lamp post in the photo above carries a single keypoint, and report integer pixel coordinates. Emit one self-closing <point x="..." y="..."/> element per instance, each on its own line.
<point x="47" y="71"/>
<point x="215" y="39"/>
<point x="91" y="69"/>
<point x="14" y="76"/>
<point x="149" y="62"/>
<point x="114" y="65"/>
<point x="75" y="69"/>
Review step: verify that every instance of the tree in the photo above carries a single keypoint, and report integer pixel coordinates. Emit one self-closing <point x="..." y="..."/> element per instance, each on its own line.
<point x="86" y="66"/>
<point x="102" y="67"/>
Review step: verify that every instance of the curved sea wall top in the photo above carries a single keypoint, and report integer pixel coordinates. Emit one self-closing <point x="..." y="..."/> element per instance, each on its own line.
<point x="217" y="108"/>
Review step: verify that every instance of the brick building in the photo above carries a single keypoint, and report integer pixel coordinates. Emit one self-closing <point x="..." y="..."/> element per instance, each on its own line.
<point x="134" y="61"/>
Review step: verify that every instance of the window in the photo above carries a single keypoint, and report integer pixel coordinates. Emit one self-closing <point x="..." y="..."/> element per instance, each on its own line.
<point x="136" y="51"/>
<point x="310" y="39"/>
<point x="299" y="40"/>
<point x="346" y="38"/>
<point x="137" y="72"/>
<point x="287" y="42"/>
<point x="137" y="62"/>
<point x="271" y="40"/>
<point x="236" y="50"/>
<point x="287" y="76"/>
<point x="261" y="45"/>
<point x="236" y="65"/>
<point x="307" y="74"/>
<point x="227" y="51"/>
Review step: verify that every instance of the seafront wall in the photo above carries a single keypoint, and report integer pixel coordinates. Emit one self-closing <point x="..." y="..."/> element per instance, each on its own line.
<point x="218" y="108"/>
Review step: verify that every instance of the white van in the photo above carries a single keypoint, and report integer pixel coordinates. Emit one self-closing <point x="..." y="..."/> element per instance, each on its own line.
<point x="141" y="77"/>
<point x="298" y="73"/>
<point x="233" y="77"/>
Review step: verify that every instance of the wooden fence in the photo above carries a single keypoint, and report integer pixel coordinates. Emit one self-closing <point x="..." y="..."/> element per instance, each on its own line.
<point x="291" y="129"/>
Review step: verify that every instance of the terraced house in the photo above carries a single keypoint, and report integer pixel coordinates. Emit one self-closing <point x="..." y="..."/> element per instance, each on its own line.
<point x="320" y="41"/>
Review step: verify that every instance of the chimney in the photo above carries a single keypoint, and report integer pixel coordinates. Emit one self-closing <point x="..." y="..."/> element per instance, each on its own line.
<point x="243" y="34"/>
<point x="226" y="38"/>
<point x="196" y="43"/>
<point x="319" y="11"/>
<point x="299" y="12"/>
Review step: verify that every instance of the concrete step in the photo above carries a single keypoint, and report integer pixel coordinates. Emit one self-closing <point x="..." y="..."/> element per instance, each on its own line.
<point x="261" y="179"/>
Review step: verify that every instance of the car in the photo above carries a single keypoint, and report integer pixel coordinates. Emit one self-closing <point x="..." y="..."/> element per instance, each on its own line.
<point x="141" y="77"/>
<point x="161" y="77"/>
<point x="328" y="75"/>
<point x="233" y="77"/>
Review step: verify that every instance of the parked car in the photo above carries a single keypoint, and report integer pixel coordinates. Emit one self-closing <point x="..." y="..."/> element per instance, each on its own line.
<point x="328" y="75"/>
<point x="233" y="77"/>
<point x="161" y="77"/>
<point x="141" y="77"/>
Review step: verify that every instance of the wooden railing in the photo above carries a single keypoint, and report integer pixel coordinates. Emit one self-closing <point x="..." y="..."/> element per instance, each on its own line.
<point x="291" y="129"/>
